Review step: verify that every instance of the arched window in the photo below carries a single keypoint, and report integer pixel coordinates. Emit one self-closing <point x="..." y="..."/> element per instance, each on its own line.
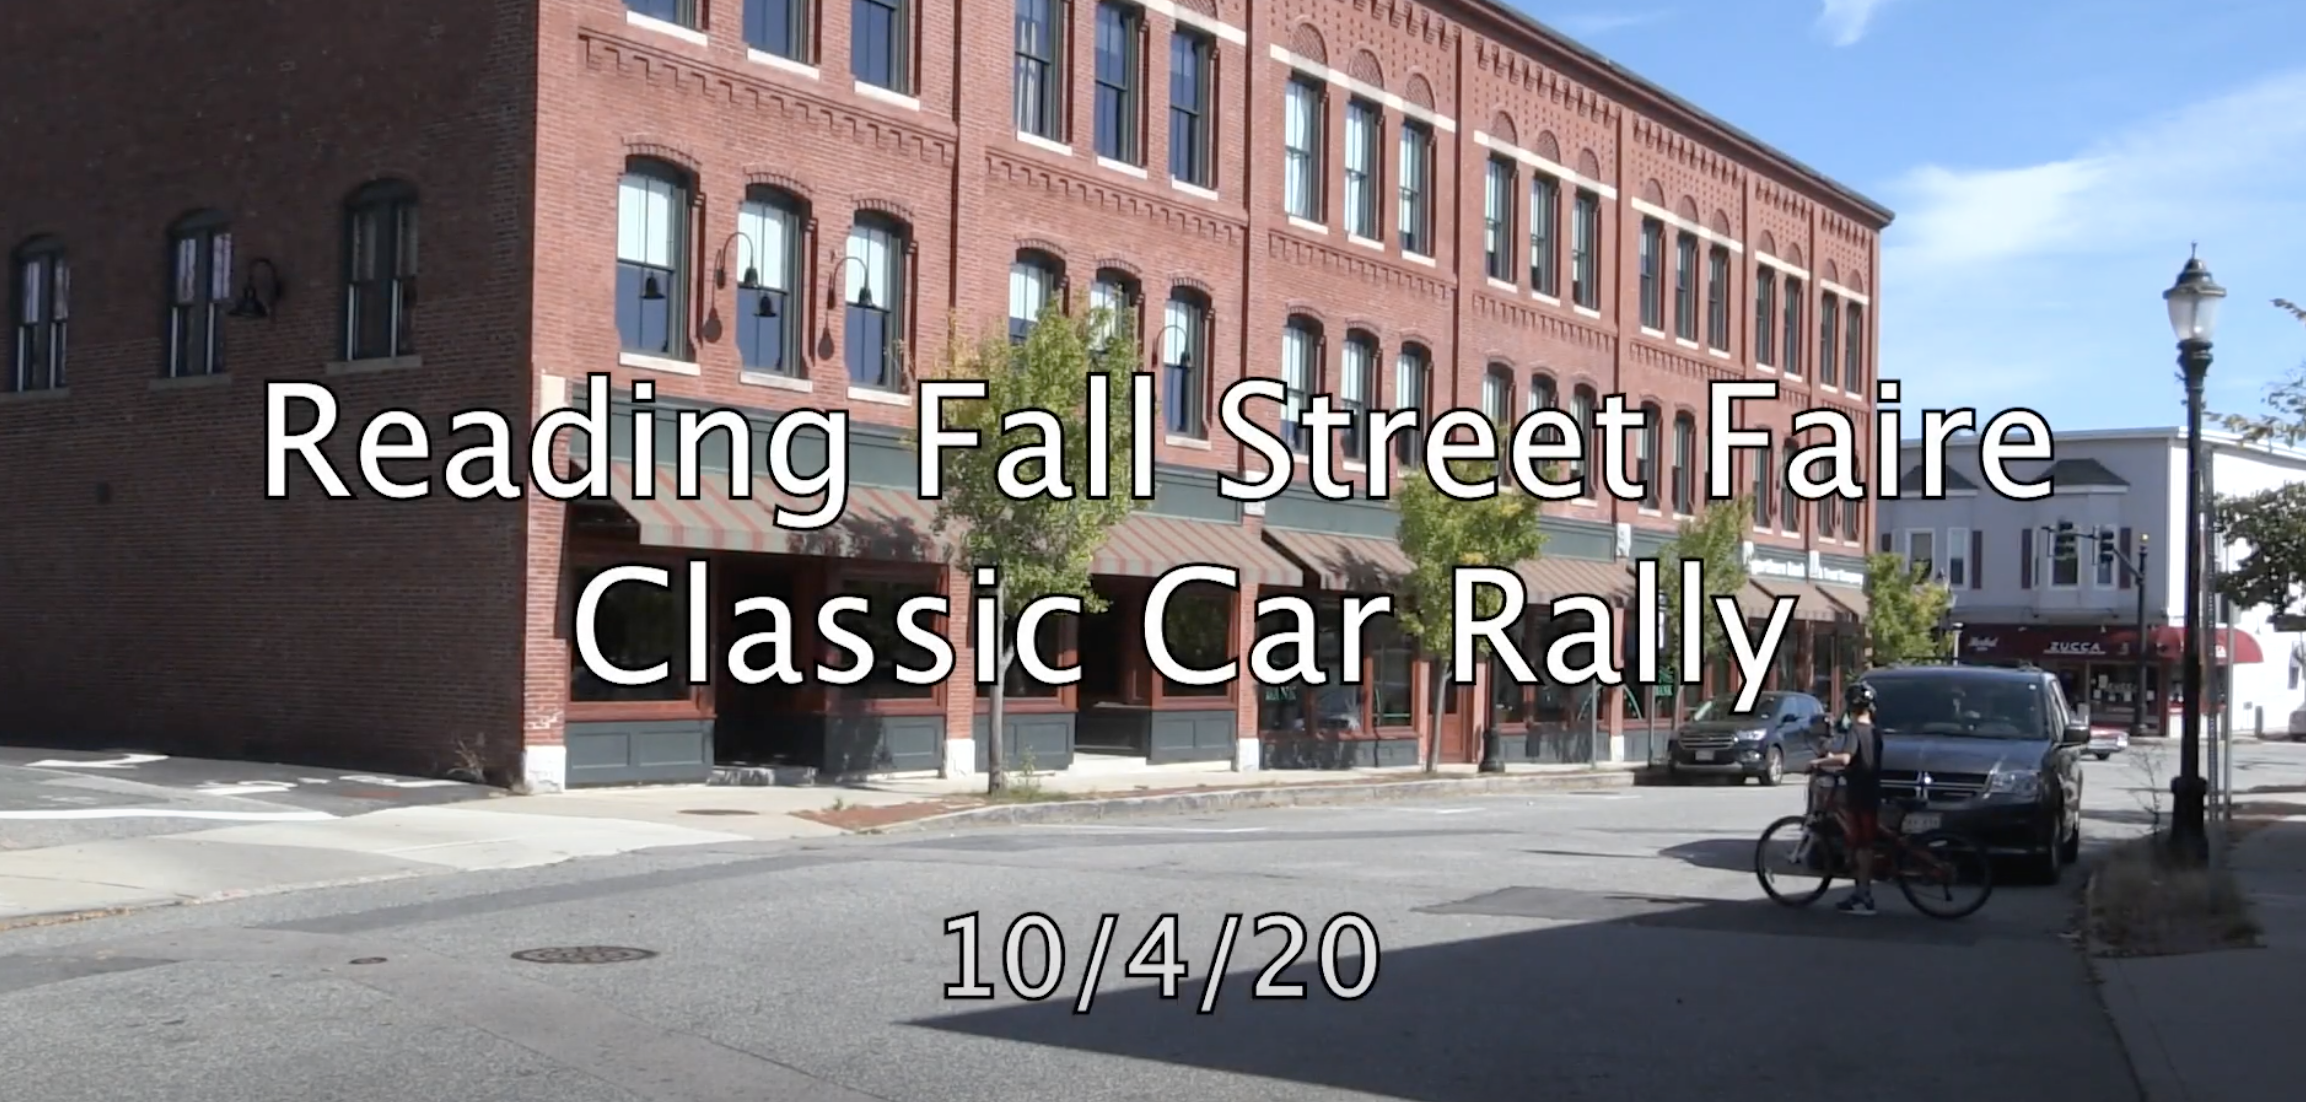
<point x="1765" y="488"/>
<point x="1412" y="389"/>
<point x="1356" y="383"/>
<point x="1300" y="375"/>
<point x="772" y="227"/>
<point x="1717" y="279"/>
<point x="1684" y="464"/>
<point x="1649" y="445"/>
<point x="1765" y="315"/>
<point x="1790" y="508"/>
<point x="1854" y="354"/>
<point x="653" y="224"/>
<point x="1497" y="393"/>
<point x="1795" y="337"/>
<point x="43" y="304"/>
<point x="873" y="274"/>
<point x="1581" y="409"/>
<point x="1829" y="339"/>
<point x="200" y="283"/>
<point x="1185" y="363"/>
<point x="1117" y="294"/>
<point x="380" y="271"/>
<point x="1036" y="281"/>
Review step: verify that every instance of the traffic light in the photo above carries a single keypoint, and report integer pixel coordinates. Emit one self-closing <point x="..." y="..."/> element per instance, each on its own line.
<point x="2062" y="550"/>
<point x="2105" y="553"/>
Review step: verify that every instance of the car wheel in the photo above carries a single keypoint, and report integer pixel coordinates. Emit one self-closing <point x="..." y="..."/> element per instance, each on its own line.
<point x="2102" y="755"/>
<point x="2045" y="866"/>
<point x="1773" y="766"/>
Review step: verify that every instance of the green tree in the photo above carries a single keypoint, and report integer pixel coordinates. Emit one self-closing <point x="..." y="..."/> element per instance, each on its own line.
<point x="1904" y="607"/>
<point x="2272" y="524"/>
<point x="2285" y="417"/>
<point x="1716" y="537"/>
<point x="1439" y="533"/>
<point x="1042" y="546"/>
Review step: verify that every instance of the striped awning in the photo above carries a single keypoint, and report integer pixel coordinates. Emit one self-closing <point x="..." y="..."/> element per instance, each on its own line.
<point x="1851" y="599"/>
<point x="1551" y="578"/>
<point x="1756" y="602"/>
<point x="1345" y="564"/>
<point x="876" y="523"/>
<point x="1810" y="602"/>
<point x="1148" y="546"/>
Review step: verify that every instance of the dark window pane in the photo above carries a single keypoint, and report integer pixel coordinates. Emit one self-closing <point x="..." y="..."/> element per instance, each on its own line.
<point x="1198" y="626"/>
<point x="636" y="626"/>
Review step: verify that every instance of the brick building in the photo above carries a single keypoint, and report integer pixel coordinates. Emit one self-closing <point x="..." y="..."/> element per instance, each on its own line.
<point x="774" y="205"/>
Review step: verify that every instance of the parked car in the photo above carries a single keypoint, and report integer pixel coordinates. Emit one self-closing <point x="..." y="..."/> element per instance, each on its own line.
<point x="1781" y="732"/>
<point x="1993" y="754"/>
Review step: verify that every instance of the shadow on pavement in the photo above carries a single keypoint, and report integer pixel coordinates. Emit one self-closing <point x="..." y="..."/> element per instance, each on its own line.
<point x="1641" y="997"/>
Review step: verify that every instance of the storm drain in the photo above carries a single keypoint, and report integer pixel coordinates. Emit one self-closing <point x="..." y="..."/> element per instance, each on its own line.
<point x="583" y="954"/>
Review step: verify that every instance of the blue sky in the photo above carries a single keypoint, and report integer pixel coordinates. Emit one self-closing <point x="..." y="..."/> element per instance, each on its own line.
<point x="2050" y="162"/>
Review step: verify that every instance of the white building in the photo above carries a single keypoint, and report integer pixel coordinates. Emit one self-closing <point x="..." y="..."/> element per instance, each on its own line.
<point x="2020" y="601"/>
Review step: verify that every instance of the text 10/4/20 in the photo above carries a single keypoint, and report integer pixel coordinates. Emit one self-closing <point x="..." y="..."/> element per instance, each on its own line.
<point x="1157" y="957"/>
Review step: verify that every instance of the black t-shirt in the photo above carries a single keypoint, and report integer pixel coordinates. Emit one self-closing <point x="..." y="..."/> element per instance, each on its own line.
<point x="1862" y="777"/>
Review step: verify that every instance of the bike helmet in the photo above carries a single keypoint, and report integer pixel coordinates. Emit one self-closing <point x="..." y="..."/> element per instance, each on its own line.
<point x="1858" y="697"/>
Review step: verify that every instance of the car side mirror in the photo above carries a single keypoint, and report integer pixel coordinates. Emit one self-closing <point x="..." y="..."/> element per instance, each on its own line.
<point x="2076" y="734"/>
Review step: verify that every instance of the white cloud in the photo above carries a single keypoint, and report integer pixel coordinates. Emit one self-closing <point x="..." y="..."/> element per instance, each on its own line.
<point x="1598" y="23"/>
<point x="1844" y="22"/>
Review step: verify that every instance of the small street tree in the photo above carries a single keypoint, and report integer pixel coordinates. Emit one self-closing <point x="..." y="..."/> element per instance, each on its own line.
<point x="1439" y="534"/>
<point x="1715" y="537"/>
<point x="2271" y="524"/>
<point x="1905" y="606"/>
<point x="2285" y="417"/>
<point x="1041" y="545"/>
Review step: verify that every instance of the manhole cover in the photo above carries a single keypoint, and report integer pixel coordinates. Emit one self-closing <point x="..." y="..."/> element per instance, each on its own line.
<point x="716" y="811"/>
<point x="583" y="954"/>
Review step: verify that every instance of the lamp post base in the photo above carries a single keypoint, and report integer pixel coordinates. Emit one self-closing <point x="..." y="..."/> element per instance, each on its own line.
<point x="1492" y="753"/>
<point x="2189" y="799"/>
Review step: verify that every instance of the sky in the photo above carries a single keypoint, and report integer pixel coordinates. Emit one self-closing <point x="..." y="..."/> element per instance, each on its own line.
<point x="2050" y="163"/>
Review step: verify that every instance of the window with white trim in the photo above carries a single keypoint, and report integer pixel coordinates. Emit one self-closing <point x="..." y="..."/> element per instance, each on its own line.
<point x="1192" y="54"/>
<point x="201" y="284"/>
<point x="1301" y="127"/>
<point x="768" y="330"/>
<point x="1357" y="378"/>
<point x="1040" y="92"/>
<point x="1497" y="219"/>
<point x="1922" y="549"/>
<point x="880" y="33"/>
<point x="1364" y="136"/>
<point x="653" y="223"/>
<point x="781" y="27"/>
<point x="1416" y="188"/>
<point x="1544" y="235"/>
<point x="1184" y="363"/>
<point x="2065" y="557"/>
<point x="1120" y="79"/>
<point x="873" y="272"/>
<point x="1958" y="558"/>
<point x="1300" y="368"/>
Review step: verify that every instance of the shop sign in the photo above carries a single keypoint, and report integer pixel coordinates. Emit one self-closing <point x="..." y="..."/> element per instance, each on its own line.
<point x="2075" y="648"/>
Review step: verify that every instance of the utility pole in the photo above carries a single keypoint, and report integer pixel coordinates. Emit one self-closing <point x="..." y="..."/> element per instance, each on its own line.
<point x="2109" y="555"/>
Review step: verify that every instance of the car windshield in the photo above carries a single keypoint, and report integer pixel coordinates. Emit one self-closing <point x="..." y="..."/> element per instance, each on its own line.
<point x="1971" y="708"/>
<point x="1726" y="707"/>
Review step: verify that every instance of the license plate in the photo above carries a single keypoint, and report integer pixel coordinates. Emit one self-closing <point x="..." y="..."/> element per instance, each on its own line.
<point x="1920" y="821"/>
<point x="1703" y="755"/>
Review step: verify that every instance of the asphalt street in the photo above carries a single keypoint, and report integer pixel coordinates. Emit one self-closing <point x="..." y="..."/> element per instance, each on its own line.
<point x="55" y="798"/>
<point x="1602" y="945"/>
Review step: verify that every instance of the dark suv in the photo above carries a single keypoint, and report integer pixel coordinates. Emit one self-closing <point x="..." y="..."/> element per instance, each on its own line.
<point x="1782" y="731"/>
<point x="1993" y="754"/>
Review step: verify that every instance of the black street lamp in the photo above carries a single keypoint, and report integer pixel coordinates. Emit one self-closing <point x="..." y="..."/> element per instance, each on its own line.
<point x="2193" y="303"/>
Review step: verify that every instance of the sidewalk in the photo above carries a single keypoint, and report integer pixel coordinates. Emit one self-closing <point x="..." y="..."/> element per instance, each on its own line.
<point x="101" y="877"/>
<point x="2224" y="1026"/>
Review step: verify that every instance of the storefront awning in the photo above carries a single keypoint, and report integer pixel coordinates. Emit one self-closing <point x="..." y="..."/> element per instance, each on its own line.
<point x="1147" y="546"/>
<point x="877" y="523"/>
<point x="1549" y="579"/>
<point x="1810" y="602"/>
<point x="1346" y="564"/>
<point x="1850" y="598"/>
<point x="2086" y="642"/>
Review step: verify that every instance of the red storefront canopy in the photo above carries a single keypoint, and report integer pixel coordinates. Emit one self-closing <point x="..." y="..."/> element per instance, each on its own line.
<point x="2039" y="642"/>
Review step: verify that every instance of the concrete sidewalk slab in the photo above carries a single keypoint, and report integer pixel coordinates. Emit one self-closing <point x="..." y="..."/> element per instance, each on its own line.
<point x="461" y="839"/>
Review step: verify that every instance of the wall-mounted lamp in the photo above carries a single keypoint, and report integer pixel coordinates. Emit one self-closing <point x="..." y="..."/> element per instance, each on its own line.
<point x="256" y="302"/>
<point x="1184" y="342"/>
<point x="864" y="287"/>
<point x="651" y="290"/>
<point x="749" y="280"/>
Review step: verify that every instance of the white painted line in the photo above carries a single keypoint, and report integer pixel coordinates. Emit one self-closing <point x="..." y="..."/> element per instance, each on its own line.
<point x="163" y="813"/>
<point x="128" y="761"/>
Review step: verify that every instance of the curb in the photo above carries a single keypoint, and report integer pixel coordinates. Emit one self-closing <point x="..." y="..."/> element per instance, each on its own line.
<point x="1243" y="799"/>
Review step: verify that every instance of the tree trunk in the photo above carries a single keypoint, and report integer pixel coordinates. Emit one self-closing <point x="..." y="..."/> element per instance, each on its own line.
<point x="996" y="765"/>
<point x="1433" y="736"/>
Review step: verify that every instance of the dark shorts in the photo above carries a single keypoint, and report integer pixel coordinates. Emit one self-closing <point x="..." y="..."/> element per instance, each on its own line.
<point x="1862" y="819"/>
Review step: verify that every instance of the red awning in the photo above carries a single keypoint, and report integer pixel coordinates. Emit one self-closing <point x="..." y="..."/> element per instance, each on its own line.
<point x="2169" y="641"/>
<point x="2074" y="642"/>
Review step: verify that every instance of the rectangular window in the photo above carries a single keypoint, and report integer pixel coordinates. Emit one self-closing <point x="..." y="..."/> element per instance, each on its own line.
<point x="1300" y="363"/>
<point x="1685" y="287"/>
<point x="637" y="626"/>
<point x="1192" y="55"/>
<point x="2103" y="564"/>
<point x="880" y="41"/>
<point x="680" y="13"/>
<point x="2065" y="557"/>
<point x="1765" y="316"/>
<point x="1030" y="288"/>
<point x="652" y="240"/>
<point x="1854" y="354"/>
<point x="1684" y="466"/>
<point x="1922" y="549"/>
<point x="1040" y="78"/>
<point x="1645" y="459"/>
<point x="1584" y="260"/>
<point x="781" y="27"/>
<point x="1198" y="626"/>
<point x="1789" y="502"/>
<point x="1184" y="336"/>
<point x="1497" y="219"/>
<point x="1717" y="318"/>
<point x="1120" y="27"/>
<point x="202" y="267"/>
<point x="1364" y="135"/>
<point x="1545" y="235"/>
<point x="1765" y="496"/>
<point x="768" y="330"/>
<point x="43" y="307"/>
<point x="1958" y="558"/>
<point x="380" y="283"/>
<point x="1301" y="150"/>
<point x="1977" y="554"/>
<point x="1416" y="189"/>
<point x="1409" y="385"/>
<point x="1652" y="287"/>
<point x="1353" y="387"/>
<point x="1794" y="335"/>
<point x="1829" y="339"/>
<point x="1581" y="468"/>
<point x="873" y="268"/>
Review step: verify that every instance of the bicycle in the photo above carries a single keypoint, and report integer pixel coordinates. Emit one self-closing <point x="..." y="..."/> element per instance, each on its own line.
<point x="1929" y="866"/>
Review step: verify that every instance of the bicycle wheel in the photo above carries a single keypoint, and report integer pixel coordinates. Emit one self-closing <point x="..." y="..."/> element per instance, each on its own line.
<point x="1945" y="875"/>
<point x="1791" y="861"/>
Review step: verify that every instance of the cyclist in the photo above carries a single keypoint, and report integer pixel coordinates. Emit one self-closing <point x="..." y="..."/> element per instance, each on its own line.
<point x="1856" y="754"/>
